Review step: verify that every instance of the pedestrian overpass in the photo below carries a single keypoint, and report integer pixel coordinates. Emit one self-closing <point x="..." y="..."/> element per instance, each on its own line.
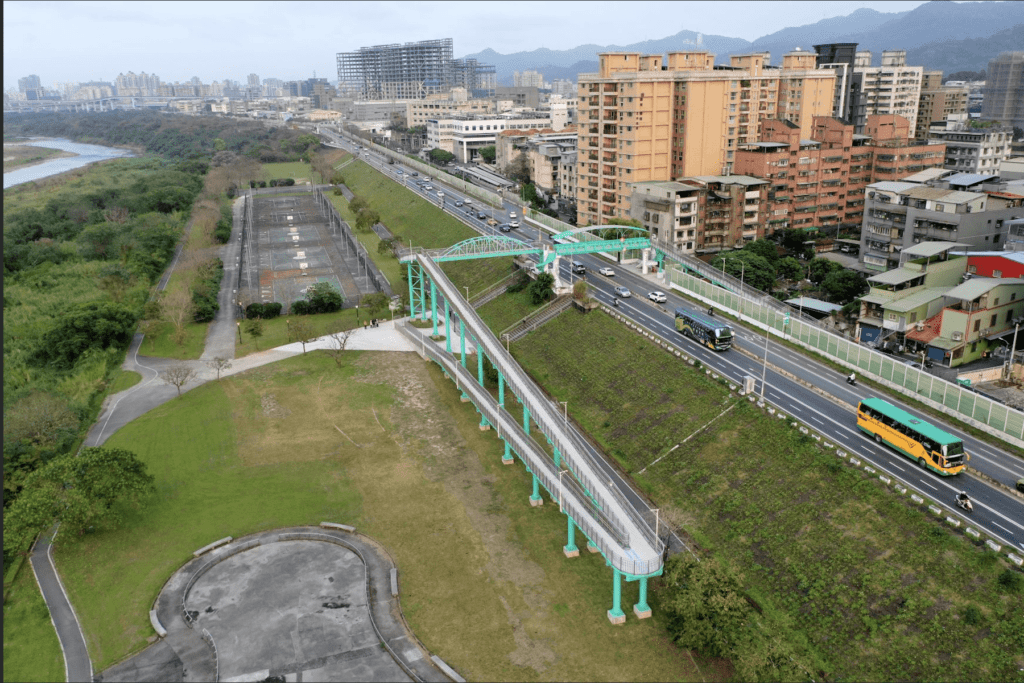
<point x="572" y="475"/>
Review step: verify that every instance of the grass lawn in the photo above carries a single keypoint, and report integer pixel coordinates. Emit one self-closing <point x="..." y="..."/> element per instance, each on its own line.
<point x="31" y="649"/>
<point x="299" y="170"/>
<point x="275" y="330"/>
<point x="863" y="585"/>
<point x="507" y="309"/>
<point x="160" y="343"/>
<point x="123" y="379"/>
<point x="484" y="582"/>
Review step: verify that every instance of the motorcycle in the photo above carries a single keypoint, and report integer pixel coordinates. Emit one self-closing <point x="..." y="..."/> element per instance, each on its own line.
<point x="615" y="303"/>
<point x="964" y="504"/>
<point x="852" y="381"/>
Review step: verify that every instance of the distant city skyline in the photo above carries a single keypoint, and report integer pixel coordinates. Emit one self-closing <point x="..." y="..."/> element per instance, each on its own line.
<point x="92" y="41"/>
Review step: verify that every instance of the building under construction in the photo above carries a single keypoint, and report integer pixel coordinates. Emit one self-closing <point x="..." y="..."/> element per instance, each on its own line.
<point x="410" y="71"/>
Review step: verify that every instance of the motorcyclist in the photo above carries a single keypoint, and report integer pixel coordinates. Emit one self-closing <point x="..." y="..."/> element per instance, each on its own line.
<point x="615" y="302"/>
<point x="962" y="497"/>
<point x="711" y="310"/>
<point x="852" y="379"/>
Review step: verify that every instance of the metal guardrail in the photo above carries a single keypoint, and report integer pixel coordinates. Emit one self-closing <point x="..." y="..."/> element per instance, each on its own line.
<point x="216" y="659"/>
<point x="535" y="319"/>
<point x="379" y="280"/>
<point x="949" y="397"/>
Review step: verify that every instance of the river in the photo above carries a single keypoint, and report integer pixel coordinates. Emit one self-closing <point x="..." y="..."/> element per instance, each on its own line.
<point x="87" y="154"/>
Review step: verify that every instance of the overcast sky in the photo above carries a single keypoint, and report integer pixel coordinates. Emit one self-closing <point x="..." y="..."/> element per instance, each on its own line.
<point x="83" y="41"/>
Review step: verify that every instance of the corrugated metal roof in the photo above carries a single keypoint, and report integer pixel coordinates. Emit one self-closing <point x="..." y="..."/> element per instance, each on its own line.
<point x="909" y="303"/>
<point x="892" y="186"/>
<point x="977" y="286"/>
<point x="1015" y="256"/>
<point x="813" y="304"/>
<point x="731" y="179"/>
<point x="895" y="276"/>
<point x="931" y="248"/>
<point x="926" y="175"/>
<point x="940" y="194"/>
<point x="971" y="179"/>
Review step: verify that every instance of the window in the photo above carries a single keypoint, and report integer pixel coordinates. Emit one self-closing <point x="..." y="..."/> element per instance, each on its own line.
<point x="977" y="325"/>
<point x="997" y="273"/>
<point x="1009" y="315"/>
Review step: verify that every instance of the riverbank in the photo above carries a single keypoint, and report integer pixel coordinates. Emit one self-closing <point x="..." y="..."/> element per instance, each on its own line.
<point x="18" y="155"/>
<point x="75" y="155"/>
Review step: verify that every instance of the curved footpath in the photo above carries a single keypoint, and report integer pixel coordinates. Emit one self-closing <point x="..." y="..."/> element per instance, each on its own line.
<point x="121" y="408"/>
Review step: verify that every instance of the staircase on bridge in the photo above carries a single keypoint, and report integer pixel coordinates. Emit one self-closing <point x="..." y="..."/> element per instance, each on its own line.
<point x="535" y="319"/>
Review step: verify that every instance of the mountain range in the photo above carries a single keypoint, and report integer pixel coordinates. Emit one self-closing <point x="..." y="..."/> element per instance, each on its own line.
<point x="937" y="35"/>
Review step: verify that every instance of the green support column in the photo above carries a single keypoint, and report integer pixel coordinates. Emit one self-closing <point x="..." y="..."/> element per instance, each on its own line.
<point x="570" y="548"/>
<point x="423" y="298"/>
<point x="447" y="327"/>
<point x="507" y="459"/>
<point x="412" y="292"/>
<point x="535" y="499"/>
<point x="641" y="608"/>
<point x="433" y="304"/>
<point x="462" y="338"/>
<point x="484" y="425"/>
<point x="501" y="390"/>
<point x="558" y="459"/>
<point x="526" y="419"/>
<point x="615" y="614"/>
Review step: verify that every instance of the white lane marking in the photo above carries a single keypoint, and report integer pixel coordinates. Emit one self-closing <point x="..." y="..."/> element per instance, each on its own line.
<point x="929" y="485"/>
<point x="1002" y="527"/>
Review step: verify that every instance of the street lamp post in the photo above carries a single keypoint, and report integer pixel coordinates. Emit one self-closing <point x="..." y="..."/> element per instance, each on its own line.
<point x="1013" y="347"/>
<point x="239" y="325"/>
<point x="467" y="293"/>
<point x="764" y="367"/>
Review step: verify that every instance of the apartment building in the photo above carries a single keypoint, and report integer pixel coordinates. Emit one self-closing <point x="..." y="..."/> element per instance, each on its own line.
<point x="1004" y="90"/>
<point x="567" y="176"/>
<point x="702" y="214"/>
<point x="818" y="183"/>
<point x="972" y="146"/>
<point x="528" y="79"/>
<point x="646" y="118"/>
<point x="898" y="215"/>
<point x="892" y="88"/>
<point x="545" y="152"/>
<point x="938" y="101"/>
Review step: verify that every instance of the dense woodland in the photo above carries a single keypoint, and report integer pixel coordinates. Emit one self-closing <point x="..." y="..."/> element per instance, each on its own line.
<point x="172" y="136"/>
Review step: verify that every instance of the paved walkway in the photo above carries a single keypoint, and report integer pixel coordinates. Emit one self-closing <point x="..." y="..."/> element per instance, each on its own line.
<point x="77" y="665"/>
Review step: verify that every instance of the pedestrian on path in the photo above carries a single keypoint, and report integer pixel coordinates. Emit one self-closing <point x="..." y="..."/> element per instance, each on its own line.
<point x="366" y="324"/>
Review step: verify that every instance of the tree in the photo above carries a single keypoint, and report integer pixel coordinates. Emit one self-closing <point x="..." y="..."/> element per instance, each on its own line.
<point x="843" y="286"/>
<point x="764" y="248"/>
<point x="793" y="240"/>
<point x="300" y="330"/>
<point x="540" y="289"/>
<point x="753" y="269"/>
<point x="374" y="304"/>
<point x="705" y="608"/>
<point x="178" y="308"/>
<point x="178" y="375"/>
<point x="79" y="492"/>
<point x="440" y="157"/>
<point x="219" y="145"/>
<point x="519" y="169"/>
<point x="337" y="178"/>
<point x="95" y="325"/>
<point x="254" y="328"/>
<point x="487" y="153"/>
<point x="819" y="268"/>
<point x="366" y="219"/>
<point x="789" y="268"/>
<point x="42" y="420"/>
<point x="336" y="345"/>
<point x="219" y="364"/>
<point x="388" y="247"/>
<point x="580" y="291"/>
<point x="323" y="298"/>
<point x="763" y="659"/>
<point x="358" y="204"/>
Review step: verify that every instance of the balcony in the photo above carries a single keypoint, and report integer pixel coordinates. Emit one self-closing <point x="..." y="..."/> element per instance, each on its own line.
<point x="608" y="198"/>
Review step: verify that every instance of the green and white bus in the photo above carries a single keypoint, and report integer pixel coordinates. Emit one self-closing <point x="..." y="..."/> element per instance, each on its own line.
<point x="712" y="333"/>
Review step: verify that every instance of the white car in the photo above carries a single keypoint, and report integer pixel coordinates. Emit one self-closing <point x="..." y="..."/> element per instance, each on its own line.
<point x="606" y="271"/>
<point x="440" y="193"/>
<point x="512" y="215"/>
<point x="622" y="292"/>
<point x="657" y="297"/>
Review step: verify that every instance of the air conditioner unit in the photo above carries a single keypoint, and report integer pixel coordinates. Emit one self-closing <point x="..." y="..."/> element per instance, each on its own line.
<point x="920" y="327"/>
<point x="958" y="336"/>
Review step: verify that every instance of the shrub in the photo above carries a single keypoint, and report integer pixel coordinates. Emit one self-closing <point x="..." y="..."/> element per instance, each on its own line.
<point x="271" y="310"/>
<point x="300" y="307"/>
<point x="1010" y="580"/>
<point x="972" y="615"/>
<point x="254" y="311"/>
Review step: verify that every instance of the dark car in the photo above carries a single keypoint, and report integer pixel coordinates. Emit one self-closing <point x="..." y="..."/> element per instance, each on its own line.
<point x="481" y="215"/>
<point x="505" y="227"/>
<point x="1020" y="484"/>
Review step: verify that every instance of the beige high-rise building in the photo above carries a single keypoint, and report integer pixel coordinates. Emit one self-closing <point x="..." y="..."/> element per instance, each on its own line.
<point x="937" y="101"/>
<point x="892" y="88"/>
<point x="649" y="118"/>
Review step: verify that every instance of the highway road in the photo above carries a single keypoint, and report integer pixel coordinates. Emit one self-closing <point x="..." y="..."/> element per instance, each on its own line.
<point x="997" y="513"/>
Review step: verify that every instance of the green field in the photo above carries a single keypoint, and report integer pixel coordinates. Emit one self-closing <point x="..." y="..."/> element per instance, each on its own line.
<point x="484" y="582"/>
<point x="863" y="585"/>
<point x="275" y="330"/>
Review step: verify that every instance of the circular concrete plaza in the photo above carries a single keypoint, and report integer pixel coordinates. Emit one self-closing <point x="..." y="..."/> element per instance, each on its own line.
<point x="293" y="610"/>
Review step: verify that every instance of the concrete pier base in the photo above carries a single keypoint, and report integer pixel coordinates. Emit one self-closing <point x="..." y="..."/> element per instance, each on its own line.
<point x="536" y="503"/>
<point x="641" y="614"/>
<point x="616" y="618"/>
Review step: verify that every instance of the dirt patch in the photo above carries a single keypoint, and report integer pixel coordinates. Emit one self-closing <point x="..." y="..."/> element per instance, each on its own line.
<point x="271" y="408"/>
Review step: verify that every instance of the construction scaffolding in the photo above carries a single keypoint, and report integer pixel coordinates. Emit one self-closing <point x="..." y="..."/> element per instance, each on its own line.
<point x="409" y="71"/>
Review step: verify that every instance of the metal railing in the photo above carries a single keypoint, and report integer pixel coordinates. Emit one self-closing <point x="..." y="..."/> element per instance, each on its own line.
<point x="535" y="319"/>
<point x="373" y="273"/>
<point x="216" y="659"/>
<point x="547" y="419"/>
